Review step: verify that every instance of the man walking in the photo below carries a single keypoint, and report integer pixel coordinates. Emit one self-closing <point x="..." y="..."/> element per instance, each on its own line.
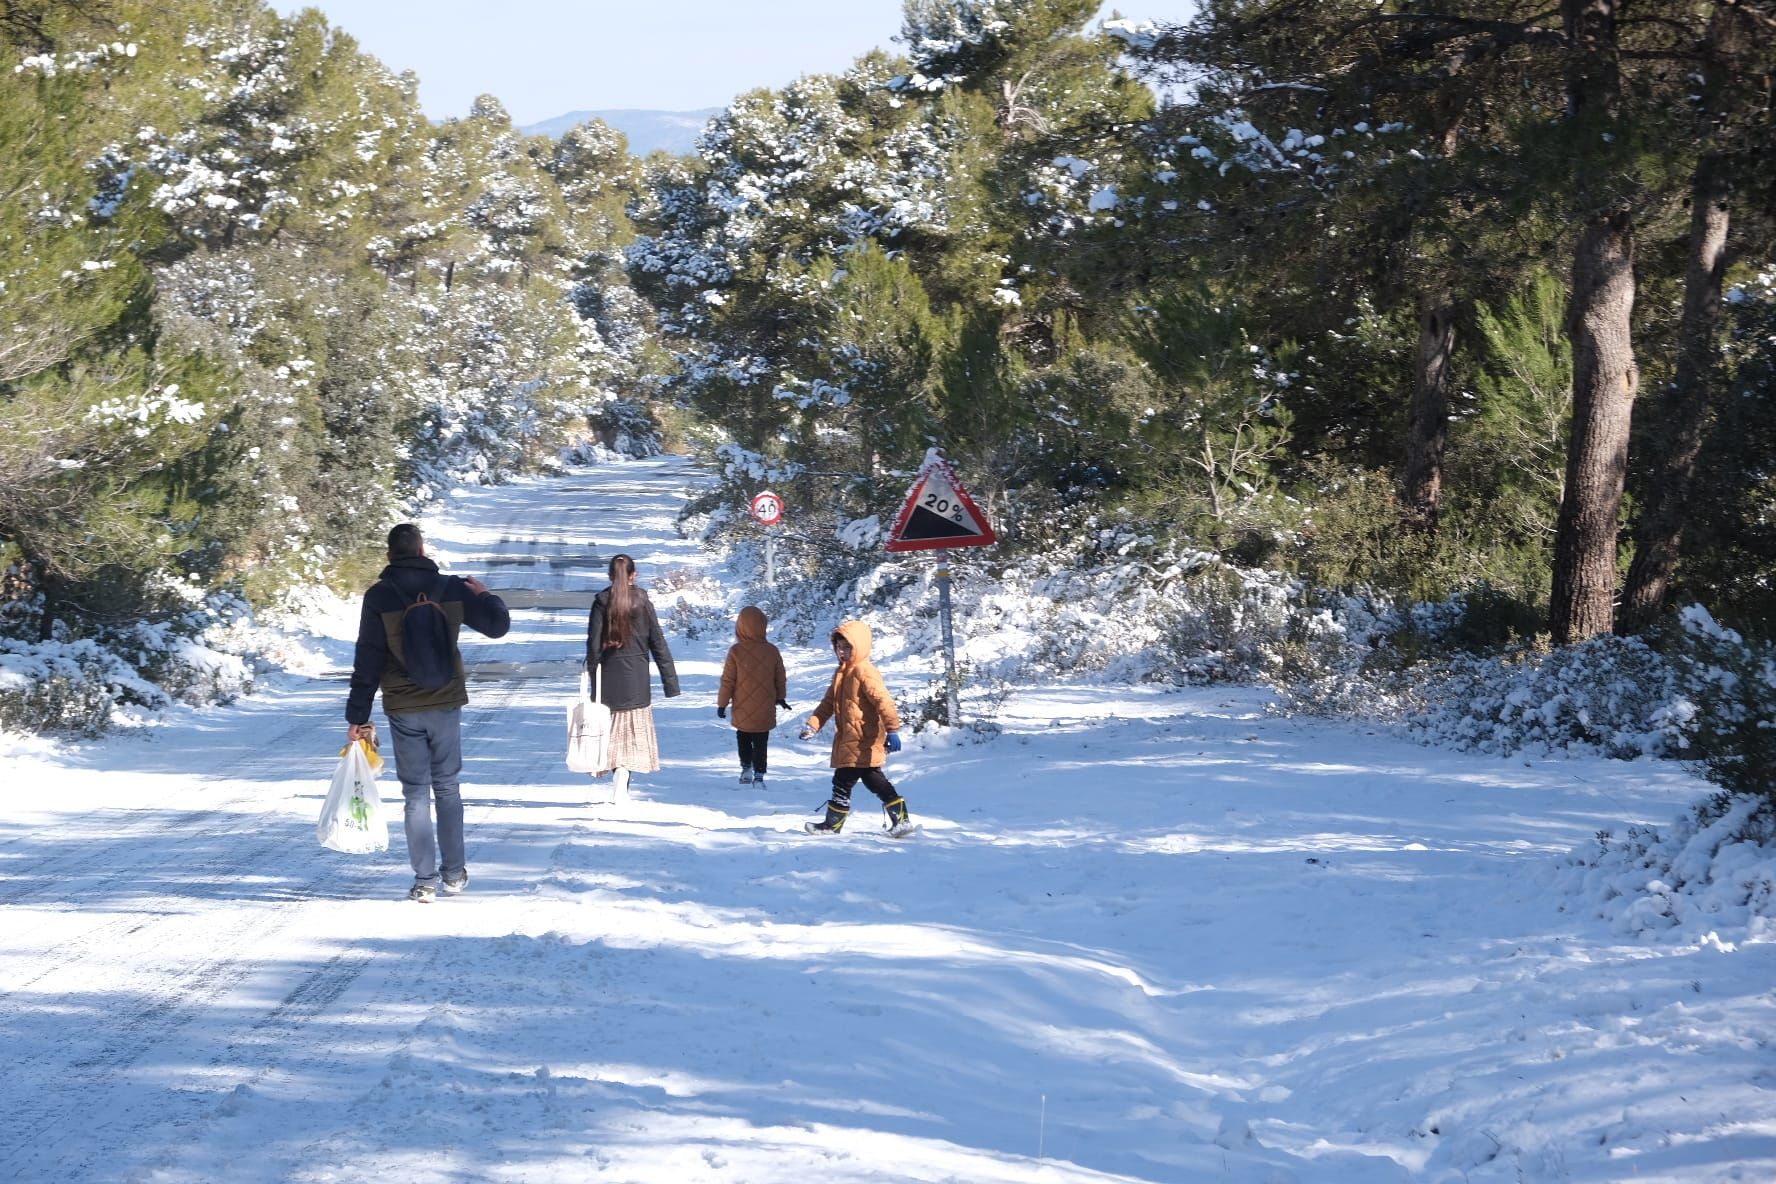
<point x="418" y="665"/>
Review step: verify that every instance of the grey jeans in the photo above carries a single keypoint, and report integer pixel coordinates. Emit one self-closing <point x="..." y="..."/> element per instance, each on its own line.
<point x="428" y="760"/>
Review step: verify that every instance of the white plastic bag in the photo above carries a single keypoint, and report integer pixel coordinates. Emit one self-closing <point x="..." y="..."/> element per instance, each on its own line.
<point x="589" y="728"/>
<point x="351" y="818"/>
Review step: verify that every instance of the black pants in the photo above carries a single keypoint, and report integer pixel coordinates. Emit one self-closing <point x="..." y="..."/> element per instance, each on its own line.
<point x="752" y="750"/>
<point x="873" y="780"/>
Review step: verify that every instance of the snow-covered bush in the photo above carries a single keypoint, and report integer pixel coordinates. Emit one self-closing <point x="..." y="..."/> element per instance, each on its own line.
<point x="1094" y="598"/>
<point x="205" y="654"/>
<point x="1707" y="877"/>
<point x="1710" y="876"/>
<point x="67" y="687"/>
<point x="1107" y="597"/>
<point x="1610" y="695"/>
<point x="1728" y="686"/>
<point x="618" y="427"/>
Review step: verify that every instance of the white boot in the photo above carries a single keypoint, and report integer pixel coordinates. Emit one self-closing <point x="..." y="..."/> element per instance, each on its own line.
<point x="620" y="784"/>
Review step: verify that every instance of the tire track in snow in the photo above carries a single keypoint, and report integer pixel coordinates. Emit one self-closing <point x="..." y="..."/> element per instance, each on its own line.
<point x="77" y="1105"/>
<point x="119" y="826"/>
<point x="229" y="864"/>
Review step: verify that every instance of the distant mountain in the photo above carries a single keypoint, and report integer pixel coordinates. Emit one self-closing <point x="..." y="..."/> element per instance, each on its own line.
<point x="673" y="131"/>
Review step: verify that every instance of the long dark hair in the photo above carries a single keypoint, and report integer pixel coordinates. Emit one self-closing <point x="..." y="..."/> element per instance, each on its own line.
<point x="618" y="622"/>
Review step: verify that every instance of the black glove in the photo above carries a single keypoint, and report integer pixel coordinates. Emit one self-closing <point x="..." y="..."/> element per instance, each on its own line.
<point x="721" y="713"/>
<point x="783" y="703"/>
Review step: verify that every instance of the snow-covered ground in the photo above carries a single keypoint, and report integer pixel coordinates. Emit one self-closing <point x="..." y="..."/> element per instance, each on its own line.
<point x="1145" y="935"/>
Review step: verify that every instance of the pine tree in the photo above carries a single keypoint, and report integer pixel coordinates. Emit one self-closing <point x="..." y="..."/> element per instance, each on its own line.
<point x="1730" y="113"/>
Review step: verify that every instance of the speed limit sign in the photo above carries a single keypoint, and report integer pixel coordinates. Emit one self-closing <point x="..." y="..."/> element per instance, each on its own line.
<point x="767" y="507"/>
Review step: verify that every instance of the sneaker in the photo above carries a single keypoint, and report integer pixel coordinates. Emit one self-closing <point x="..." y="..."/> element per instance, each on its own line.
<point x="452" y="887"/>
<point x="746" y="777"/>
<point x="422" y="892"/>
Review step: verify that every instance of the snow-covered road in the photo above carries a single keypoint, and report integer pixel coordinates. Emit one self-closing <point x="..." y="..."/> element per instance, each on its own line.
<point x="1146" y="935"/>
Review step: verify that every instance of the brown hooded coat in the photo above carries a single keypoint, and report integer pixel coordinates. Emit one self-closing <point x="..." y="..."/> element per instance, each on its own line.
<point x="859" y="705"/>
<point x="752" y="677"/>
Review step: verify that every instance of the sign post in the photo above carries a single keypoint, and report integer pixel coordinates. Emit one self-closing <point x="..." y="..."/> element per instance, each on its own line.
<point x="939" y="515"/>
<point x="952" y="705"/>
<point x="767" y="508"/>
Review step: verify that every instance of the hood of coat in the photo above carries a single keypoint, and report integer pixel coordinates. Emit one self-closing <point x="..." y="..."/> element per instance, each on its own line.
<point x="751" y="624"/>
<point x="858" y="635"/>
<point x="411" y="574"/>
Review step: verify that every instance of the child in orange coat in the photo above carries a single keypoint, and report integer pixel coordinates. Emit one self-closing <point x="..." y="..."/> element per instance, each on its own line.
<point x="866" y="728"/>
<point x="753" y="681"/>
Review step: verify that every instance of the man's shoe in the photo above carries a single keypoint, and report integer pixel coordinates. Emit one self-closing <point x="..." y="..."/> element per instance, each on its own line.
<point x="422" y="892"/>
<point x="452" y="887"/>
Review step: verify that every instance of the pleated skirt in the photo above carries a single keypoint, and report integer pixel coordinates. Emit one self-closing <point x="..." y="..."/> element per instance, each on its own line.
<point x="633" y="745"/>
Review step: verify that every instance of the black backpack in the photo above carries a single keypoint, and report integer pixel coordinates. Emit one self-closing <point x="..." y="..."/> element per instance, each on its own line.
<point x="426" y="645"/>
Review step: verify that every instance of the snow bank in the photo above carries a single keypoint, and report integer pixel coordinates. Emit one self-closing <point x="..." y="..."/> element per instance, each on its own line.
<point x="1695" y="883"/>
<point x="124" y="675"/>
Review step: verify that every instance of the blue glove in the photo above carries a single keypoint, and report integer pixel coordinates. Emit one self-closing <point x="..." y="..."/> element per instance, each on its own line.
<point x="893" y="741"/>
<point x="721" y="713"/>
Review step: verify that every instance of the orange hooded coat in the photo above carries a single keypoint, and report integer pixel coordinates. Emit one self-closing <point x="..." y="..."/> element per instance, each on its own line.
<point x="752" y="677"/>
<point x="859" y="705"/>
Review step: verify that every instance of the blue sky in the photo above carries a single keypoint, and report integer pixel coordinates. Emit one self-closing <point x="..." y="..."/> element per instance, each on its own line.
<point x="544" y="58"/>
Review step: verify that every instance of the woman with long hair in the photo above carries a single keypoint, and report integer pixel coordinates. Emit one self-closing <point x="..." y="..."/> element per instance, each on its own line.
<point x="620" y="634"/>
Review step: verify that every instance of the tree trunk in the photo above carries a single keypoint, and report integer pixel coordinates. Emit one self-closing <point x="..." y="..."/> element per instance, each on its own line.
<point x="1605" y="379"/>
<point x="1428" y="430"/>
<point x="1598" y="325"/>
<point x="1593" y="64"/>
<point x="46" y="621"/>
<point x="1687" y="404"/>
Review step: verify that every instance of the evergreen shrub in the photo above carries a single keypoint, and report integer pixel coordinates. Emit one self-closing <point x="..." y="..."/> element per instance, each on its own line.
<point x="72" y="687"/>
<point x="184" y="645"/>
<point x="1728" y="684"/>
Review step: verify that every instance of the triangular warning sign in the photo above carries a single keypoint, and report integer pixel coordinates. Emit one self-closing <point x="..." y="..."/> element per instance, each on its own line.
<point x="939" y="514"/>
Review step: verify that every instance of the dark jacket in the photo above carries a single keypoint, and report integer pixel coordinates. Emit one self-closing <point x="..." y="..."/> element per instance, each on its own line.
<point x="625" y="678"/>
<point x="377" y="661"/>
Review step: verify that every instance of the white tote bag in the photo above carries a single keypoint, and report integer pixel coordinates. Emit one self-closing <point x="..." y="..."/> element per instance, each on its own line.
<point x="589" y="728"/>
<point x="351" y="817"/>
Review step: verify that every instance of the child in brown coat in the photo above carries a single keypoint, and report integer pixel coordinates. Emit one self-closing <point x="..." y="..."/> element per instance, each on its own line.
<point x="866" y="729"/>
<point x="753" y="681"/>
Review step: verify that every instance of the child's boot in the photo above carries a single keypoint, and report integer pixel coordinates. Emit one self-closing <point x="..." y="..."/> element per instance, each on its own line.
<point x="746" y="775"/>
<point x="900" y="819"/>
<point x="835" y="820"/>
